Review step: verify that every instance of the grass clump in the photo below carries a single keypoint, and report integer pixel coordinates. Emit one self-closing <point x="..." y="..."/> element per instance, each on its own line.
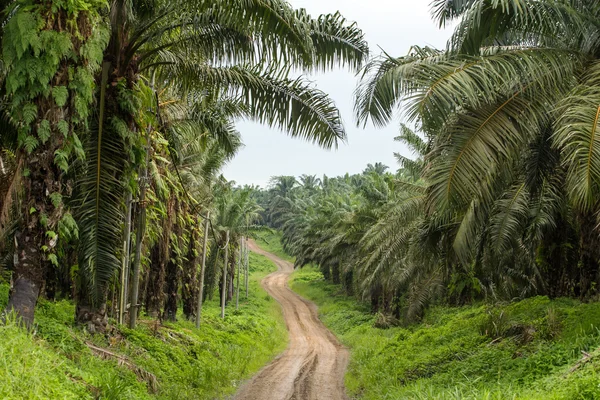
<point x="172" y="361"/>
<point x="531" y="349"/>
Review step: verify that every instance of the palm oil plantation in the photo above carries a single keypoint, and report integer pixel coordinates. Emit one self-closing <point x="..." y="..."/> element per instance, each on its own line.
<point x="468" y="270"/>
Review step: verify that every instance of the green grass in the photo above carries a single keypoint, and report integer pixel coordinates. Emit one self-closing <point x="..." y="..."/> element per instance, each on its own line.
<point x="271" y="242"/>
<point x="531" y="349"/>
<point x="54" y="362"/>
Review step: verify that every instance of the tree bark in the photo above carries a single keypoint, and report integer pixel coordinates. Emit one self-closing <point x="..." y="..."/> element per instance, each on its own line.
<point x="139" y="238"/>
<point x="30" y="264"/>
<point x="125" y="265"/>
<point x="246" y="263"/>
<point x="189" y="276"/>
<point x="93" y="317"/>
<point x="239" y="267"/>
<point x="156" y="281"/>
<point x="335" y="273"/>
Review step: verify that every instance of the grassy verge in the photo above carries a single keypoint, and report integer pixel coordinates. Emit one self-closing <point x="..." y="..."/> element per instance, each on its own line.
<point x="172" y="361"/>
<point x="531" y="349"/>
<point x="271" y="242"/>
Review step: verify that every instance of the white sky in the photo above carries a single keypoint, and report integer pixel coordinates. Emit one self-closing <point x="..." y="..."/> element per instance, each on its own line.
<point x="392" y="25"/>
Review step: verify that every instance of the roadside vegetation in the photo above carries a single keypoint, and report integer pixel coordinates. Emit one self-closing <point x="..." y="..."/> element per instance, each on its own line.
<point x="172" y="360"/>
<point x="530" y="349"/>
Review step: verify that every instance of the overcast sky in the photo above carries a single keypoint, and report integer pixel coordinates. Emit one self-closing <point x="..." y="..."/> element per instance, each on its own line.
<point x="392" y="25"/>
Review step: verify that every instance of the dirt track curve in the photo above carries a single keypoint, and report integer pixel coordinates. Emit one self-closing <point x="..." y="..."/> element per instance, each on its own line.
<point x="313" y="365"/>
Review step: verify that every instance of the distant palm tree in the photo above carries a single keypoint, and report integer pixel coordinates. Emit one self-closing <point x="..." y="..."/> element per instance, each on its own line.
<point x="377" y="169"/>
<point x="310" y="182"/>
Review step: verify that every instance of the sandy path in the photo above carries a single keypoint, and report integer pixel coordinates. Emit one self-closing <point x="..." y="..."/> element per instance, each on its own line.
<point x="313" y="365"/>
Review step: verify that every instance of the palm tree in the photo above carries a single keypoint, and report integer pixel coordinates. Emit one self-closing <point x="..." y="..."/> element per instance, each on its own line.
<point x="236" y="213"/>
<point x="510" y="109"/>
<point x="310" y="182"/>
<point x="217" y="46"/>
<point x="49" y="81"/>
<point x="377" y="169"/>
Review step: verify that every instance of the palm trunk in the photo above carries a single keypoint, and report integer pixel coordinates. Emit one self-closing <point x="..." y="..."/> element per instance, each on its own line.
<point x="247" y="264"/>
<point x="44" y="177"/>
<point x="224" y="289"/>
<point x="93" y="316"/>
<point x="28" y="276"/>
<point x="139" y="237"/>
<point x="125" y="266"/>
<point x="189" y="279"/>
<point x="239" y="265"/>
<point x="30" y="268"/>
<point x="231" y="274"/>
<point x="171" y="289"/>
<point x="202" y="271"/>
<point x="335" y="273"/>
<point x="156" y="280"/>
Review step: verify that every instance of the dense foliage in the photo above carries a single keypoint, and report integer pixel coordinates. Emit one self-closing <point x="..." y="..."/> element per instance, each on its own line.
<point x="117" y="118"/>
<point x="501" y="200"/>
<point x="530" y="349"/>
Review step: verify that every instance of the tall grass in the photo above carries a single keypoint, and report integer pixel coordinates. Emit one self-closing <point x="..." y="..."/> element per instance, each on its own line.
<point x="55" y="362"/>
<point x="532" y="349"/>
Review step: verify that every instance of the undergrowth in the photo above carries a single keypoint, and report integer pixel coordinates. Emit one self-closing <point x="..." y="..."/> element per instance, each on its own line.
<point x="172" y="361"/>
<point x="532" y="349"/>
<point x="271" y="241"/>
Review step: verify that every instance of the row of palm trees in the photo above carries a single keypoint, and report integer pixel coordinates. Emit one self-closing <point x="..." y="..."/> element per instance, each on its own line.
<point x="117" y="117"/>
<point x="504" y="197"/>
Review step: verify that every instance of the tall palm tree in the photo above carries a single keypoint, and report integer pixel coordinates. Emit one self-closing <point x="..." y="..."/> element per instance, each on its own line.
<point x="216" y="46"/>
<point x="510" y="108"/>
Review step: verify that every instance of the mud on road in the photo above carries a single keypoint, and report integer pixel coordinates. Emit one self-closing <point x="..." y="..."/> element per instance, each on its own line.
<point x="313" y="365"/>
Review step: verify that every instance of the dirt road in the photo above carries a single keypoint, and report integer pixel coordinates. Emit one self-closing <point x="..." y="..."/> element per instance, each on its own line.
<point x="314" y="363"/>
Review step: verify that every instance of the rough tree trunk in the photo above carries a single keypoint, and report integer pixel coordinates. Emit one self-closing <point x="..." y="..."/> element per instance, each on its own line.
<point x="189" y="278"/>
<point x="589" y="256"/>
<point x="335" y="273"/>
<point x="171" y="290"/>
<point x="30" y="264"/>
<point x="156" y="281"/>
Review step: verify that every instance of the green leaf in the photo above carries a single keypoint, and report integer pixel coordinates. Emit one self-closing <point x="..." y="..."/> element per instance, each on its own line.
<point x="60" y="95"/>
<point x="44" y="131"/>
<point x="61" y="159"/>
<point x="29" y="113"/>
<point x="53" y="259"/>
<point x="30" y="143"/>
<point x="63" y="127"/>
<point x="56" y="199"/>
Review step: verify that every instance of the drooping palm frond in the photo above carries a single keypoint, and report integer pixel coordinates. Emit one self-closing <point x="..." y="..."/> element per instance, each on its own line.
<point x="291" y="105"/>
<point x="99" y="212"/>
<point x="434" y="85"/>
<point x="578" y="137"/>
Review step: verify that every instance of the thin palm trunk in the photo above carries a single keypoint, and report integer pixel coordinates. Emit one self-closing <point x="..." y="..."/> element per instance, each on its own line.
<point x="202" y="270"/>
<point x="237" y="291"/>
<point x="125" y="266"/>
<point x="245" y="242"/>
<point x="135" y="285"/>
<point x="224" y="288"/>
